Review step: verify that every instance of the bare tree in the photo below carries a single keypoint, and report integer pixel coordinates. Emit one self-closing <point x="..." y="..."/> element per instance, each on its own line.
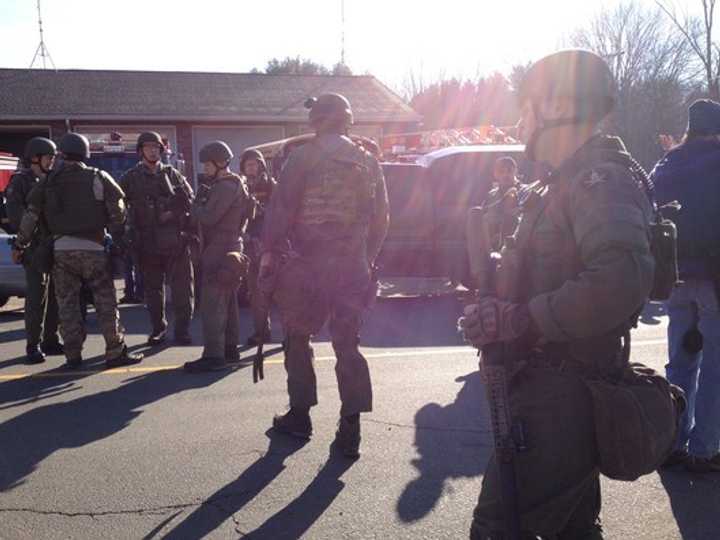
<point x="650" y="60"/>
<point x="698" y="33"/>
<point x="413" y="84"/>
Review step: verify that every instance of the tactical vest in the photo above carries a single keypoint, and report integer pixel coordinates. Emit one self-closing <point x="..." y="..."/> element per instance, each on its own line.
<point x="71" y="205"/>
<point x="151" y="197"/>
<point x="337" y="191"/>
<point x="261" y="188"/>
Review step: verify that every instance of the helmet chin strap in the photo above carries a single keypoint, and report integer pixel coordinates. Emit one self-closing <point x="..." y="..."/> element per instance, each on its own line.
<point x="40" y="165"/>
<point x="545" y="125"/>
<point x="218" y="168"/>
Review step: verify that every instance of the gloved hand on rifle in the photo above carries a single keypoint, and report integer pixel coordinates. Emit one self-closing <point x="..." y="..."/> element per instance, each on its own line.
<point x="492" y="320"/>
<point x="203" y="193"/>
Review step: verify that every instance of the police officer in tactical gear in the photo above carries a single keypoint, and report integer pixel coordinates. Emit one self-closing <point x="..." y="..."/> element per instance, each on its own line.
<point x="159" y="199"/>
<point x="587" y="269"/>
<point x="222" y="209"/>
<point x="331" y="203"/>
<point x="78" y="204"/>
<point x="41" y="312"/>
<point x="260" y="185"/>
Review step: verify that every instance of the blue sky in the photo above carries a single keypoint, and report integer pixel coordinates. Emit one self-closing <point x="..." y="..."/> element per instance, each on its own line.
<point x="389" y="38"/>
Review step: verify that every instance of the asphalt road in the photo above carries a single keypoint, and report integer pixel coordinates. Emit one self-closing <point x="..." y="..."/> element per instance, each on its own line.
<point x="150" y="452"/>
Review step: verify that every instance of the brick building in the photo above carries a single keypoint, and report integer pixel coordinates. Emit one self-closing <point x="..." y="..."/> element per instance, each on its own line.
<point x="187" y="108"/>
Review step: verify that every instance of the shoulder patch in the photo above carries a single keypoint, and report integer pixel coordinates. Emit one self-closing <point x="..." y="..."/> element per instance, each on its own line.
<point x="593" y="177"/>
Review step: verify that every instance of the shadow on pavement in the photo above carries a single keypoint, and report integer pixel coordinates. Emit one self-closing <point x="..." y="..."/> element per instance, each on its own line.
<point x="652" y="313"/>
<point x="428" y="321"/>
<point x="46" y="384"/>
<point x="12" y="335"/>
<point x="452" y="442"/>
<point x="18" y="360"/>
<point x="297" y="517"/>
<point x="32" y="436"/>
<point x="234" y="496"/>
<point x="695" y="500"/>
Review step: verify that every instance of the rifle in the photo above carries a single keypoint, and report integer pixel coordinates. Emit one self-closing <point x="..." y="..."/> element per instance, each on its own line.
<point x="258" y="374"/>
<point x="500" y="278"/>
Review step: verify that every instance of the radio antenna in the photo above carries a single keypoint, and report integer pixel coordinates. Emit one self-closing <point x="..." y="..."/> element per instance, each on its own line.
<point x="42" y="51"/>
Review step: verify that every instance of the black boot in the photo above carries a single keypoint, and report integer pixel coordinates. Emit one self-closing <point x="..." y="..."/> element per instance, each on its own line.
<point x="232" y="353"/>
<point x="34" y="355"/>
<point x="52" y="348"/>
<point x="347" y="436"/>
<point x="156" y="338"/>
<point x="183" y="339"/>
<point x="296" y="423"/>
<point x="206" y="364"/>
<point x="125" y="358"/>
<point x="73" y="363"/>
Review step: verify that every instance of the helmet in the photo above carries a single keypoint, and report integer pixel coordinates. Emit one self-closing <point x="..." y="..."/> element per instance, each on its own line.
<point x="578" y="74"/>
<point x="216" y="151"/>
<point x="75" y="145"/>
<point x="252" y="154"/>
<point x="329" y="107"/>
<point x="149" y="137"/>
<point x="39" y="146"/>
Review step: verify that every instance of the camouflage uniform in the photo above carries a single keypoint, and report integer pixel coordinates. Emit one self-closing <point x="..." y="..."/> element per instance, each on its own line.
<point x="331" y="203"/>
<point x="222" y="216"/>
<point x="586" y="234"/>
<point x="260" y="188"/>
<point x="88" y="263"/>
<point x="41" y="310"/>
<point x="162" y="248"/>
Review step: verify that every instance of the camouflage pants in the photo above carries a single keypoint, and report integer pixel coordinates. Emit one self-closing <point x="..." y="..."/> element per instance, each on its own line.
<point x="311" y="292"/>
<point x="177" y="271"/>
<point x="41" y="309"/>
<point x="70" y="271"/>
<point x="557" y="476"/>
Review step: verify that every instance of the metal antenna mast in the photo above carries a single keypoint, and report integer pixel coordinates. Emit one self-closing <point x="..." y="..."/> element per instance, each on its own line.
<point x="342" y="35"/>
<point x="42" y="50"/>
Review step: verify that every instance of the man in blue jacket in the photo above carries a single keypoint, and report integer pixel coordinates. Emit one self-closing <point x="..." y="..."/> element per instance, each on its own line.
<point x="690" y="174"/>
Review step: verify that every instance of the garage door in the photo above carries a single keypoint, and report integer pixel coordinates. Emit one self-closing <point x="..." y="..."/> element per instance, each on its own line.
<point x="239" y="138"/>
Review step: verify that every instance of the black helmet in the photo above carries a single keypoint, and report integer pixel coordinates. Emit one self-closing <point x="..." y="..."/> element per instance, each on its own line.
<point x="215" y="151"/>
<point x="39" y="146"/>
<point x="75" y="146"/>
<point x="149" y="137"/>
<point x="329" y="107"/>
<point x="577" y="74"/>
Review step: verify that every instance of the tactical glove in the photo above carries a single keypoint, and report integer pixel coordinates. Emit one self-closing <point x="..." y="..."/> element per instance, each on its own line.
<point x="203" y="193"/>
<point x="492" y="320"/>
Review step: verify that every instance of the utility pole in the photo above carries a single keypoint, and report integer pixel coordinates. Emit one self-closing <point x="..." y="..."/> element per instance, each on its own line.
<point x="342" y="34"/>
<point x="42" y="50"/>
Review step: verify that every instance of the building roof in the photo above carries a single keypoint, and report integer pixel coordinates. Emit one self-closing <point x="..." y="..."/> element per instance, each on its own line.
<point x="36" y="94"/>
